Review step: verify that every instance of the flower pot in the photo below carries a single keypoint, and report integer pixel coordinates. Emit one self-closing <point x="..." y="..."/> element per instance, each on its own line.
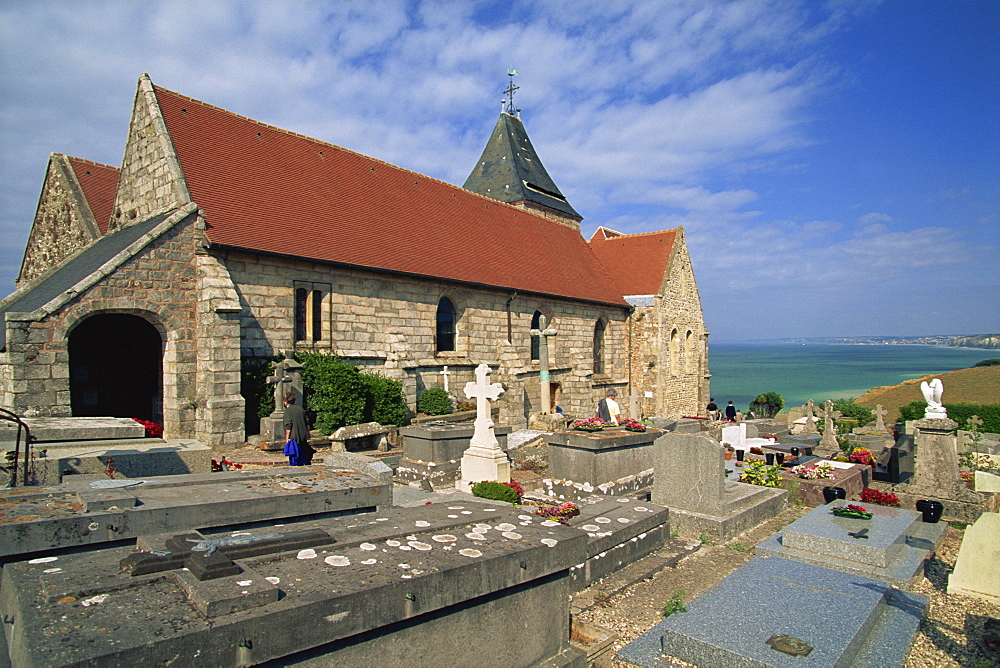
<point x="780" y="458"/>
<point x="739" y="455"/>
<point x="931" y="510"/>
<point x="729" y="455"/>
<point x="769" y="458"/>
<point x="795" y="452"/>
<point x="834" y="493"/>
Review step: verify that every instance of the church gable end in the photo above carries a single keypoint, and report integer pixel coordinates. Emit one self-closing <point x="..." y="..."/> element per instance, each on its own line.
<point x="64" y="220"/>
<point x="151" y="179"/>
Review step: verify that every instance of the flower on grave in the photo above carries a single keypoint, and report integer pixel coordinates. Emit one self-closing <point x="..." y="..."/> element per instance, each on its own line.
<point x="869" y="495"/>
<point x="967" y="475"/>
<point x="560" y="513"/>
<point x="589" y="424"/>
<point x="862" y="456"/>
<point x="756" y="451"/>
<point x="813" y="472"/>
<point x="632" y="425"/>
<point x="153" y="430"/>
<point x="462" y="406"/>
<point x="852" y="511"/>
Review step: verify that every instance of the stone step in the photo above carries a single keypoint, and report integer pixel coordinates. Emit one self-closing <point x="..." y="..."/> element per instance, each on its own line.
<point x="832" y="618"/>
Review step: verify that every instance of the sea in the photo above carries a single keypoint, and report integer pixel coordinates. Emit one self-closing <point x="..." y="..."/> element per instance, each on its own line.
<point x="803" y="371"/>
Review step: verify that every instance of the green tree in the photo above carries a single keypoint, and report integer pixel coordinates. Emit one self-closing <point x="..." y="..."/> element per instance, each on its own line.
<point x="767" y="405"/>
<point x="388" y="405"/>
<point x="334" y="389"/>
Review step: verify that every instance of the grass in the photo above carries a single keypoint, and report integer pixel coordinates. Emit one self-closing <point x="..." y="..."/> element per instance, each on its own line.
<point x="978" y="385"/>
<point x="738" y="547"/>
<point x="675" y="604"/>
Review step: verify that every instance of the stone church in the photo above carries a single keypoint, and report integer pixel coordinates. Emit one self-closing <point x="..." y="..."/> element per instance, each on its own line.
<point x="221" y="238"/>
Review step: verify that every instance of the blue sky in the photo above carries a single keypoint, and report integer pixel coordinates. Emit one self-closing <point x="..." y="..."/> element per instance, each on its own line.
<point x="834" y="165"/>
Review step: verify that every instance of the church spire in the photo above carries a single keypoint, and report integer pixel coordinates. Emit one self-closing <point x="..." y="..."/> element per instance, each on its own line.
<point x="510" y="171"/>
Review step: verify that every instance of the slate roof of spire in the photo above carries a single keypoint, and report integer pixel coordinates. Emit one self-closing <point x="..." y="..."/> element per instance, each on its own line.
<point x="639" y="260"/>
<point x="510" y="171"/>
<point x="270" y="190"/>
<point x="99" y="183"/>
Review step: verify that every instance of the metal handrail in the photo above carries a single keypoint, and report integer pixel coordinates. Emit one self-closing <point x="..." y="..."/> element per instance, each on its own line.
<point x="10" y="416"/>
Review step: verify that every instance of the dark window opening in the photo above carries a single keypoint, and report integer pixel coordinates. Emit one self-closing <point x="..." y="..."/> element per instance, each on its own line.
<point x="599" y="346"/>
<point x="535" y="340"/>
<point x="445" y="325"/>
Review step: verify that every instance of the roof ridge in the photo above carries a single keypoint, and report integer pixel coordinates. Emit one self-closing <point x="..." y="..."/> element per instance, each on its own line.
<point x="89" y="162"/>
<point x="405" y="170"/>
<point x="635" y="234"/>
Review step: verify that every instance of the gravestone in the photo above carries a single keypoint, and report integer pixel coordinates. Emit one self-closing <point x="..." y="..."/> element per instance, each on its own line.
<point x="853" y="478"/>
<point x="830" y="416"/>
<point x="894" y="547"/>
<point x="776" y="612"/>
<point x="484" y="460"/>
<point x="610" y="462"/>
<point x="393" y="588"/>
<point x="287" y="377"/>
<point x="433" y="451"/>
<point x="689" y="478"/>
<point x="895" y="464"/>
<point x="976" y="573"/>
<point x="936" y="472"/>
<point x="809" y="426"/>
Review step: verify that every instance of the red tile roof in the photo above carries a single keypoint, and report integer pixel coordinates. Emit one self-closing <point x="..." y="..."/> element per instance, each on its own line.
<point x="266" y="189"/>
<point x="99" y="183"/>
<point x="639" y="261"/>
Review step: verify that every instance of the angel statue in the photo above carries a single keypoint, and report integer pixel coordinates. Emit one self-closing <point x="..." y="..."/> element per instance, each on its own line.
<point x="932" y="392"/>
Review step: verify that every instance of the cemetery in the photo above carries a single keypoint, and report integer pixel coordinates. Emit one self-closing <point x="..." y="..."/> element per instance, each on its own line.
<point x="383" y="549"/>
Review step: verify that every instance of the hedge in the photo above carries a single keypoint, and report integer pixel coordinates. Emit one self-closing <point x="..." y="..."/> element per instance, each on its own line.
<point x="960" y="413"/>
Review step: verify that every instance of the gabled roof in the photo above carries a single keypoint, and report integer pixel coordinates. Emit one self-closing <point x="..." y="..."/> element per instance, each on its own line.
<point x="82" y="268"/>
<point x="99" y="183"/>
<point x="268" y="190"/>
<point x="510" y="171"/>
<point x="639" y="261"/>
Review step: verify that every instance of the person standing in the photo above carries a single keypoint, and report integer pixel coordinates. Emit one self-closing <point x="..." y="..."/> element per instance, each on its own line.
<point x="713" y="409"/>
<point x="607" y="408"/>
<point x="731" y="412"/>
<point x="294" y="420"/>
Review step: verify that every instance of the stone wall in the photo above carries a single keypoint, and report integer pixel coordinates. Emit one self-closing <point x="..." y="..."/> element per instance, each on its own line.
<point x="159" y="284"/>
<point x="63" y="222"/>
<point x="670" y="343"/>
<point x="388" y="325"/>
<point x="151" y="180"/>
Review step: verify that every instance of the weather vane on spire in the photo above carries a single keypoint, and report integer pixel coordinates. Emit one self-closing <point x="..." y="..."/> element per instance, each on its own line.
<point x="510" y="109"/>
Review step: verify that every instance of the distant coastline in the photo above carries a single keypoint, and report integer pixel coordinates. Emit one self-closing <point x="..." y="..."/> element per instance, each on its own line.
<point x="974" y="342"/>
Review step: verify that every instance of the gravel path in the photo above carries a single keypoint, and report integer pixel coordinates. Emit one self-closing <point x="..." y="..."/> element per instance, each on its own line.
<point x="951" y="633"/>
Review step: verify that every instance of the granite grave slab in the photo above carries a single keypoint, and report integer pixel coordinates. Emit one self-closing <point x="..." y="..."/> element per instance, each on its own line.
<point x="412" y="584"/>
<point x="74" y="514"/>
<point x="894" y="547"/>
<point x="781" y="613"/>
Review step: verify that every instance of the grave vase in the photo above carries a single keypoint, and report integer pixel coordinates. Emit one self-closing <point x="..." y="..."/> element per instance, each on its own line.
<point x="780" y="458"/>
<point x="739" y="455"/>
<point x="834" y="493"/>
<point x="931" y="510"/>
<point x="769" y="458"/>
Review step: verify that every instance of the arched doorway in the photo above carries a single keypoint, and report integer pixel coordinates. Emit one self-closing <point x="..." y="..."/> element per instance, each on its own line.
<point x="115" y="366"/>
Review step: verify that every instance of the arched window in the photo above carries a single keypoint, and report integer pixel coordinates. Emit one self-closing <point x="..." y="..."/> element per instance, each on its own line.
<point x="599" y="330"/>
<point x="445" y="325"/>
<point x="535" y="324"/>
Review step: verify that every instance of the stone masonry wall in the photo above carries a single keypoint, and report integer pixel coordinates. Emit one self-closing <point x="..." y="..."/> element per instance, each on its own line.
<point x="388" y="324"/>
<point x="151" y="179"/>
<point x="670" y="344"/>
<point x="61" y="227"/>
<point x="158" y="285"/>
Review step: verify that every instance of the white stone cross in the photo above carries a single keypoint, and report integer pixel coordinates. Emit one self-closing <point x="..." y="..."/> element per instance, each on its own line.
<point x="483" y="392"/>
<point x="444" y="372"/>
<point x="879" y="413"/>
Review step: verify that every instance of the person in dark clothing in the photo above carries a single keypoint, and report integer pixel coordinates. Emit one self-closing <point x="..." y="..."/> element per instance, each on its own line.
<point x="731" y="412"/>
<point x="296" y="430"/>
<point x="713" y="409"/>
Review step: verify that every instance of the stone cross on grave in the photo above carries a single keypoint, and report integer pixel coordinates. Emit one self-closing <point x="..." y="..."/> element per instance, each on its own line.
<point x="444" y="374"/>
<point x="829" y="439"/>
<point x="484" y="459"/>
<point x="810" y="409"/>
<point x="543" y="335"/>
<point x="286" y="377"/>
<point x="207" y="559"/>
<point x="879" y="413"/>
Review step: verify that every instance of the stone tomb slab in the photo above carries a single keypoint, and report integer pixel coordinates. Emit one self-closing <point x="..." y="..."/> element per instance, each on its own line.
<point x="598" y="458"/>
<point x="834" y="619"/>
<point x="74" y="514"/>
<point x="852" y="477"/>
<point x="408" y="585"/>
<point x="896" y="544"/>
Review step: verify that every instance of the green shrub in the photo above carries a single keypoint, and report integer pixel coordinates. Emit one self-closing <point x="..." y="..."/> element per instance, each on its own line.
<point x="990" y="362"/>
<point x="334" y="389"/>
<point x="960" y="413"/>
<point x="675" y="604"/>
<point x="767" y="405"/>
<point x="388" y="405"/>
<point x="849" y="409"/>
<point x="495" y="490"/>
<point x="434" y="401"/>
<point x="757" y="472"/>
